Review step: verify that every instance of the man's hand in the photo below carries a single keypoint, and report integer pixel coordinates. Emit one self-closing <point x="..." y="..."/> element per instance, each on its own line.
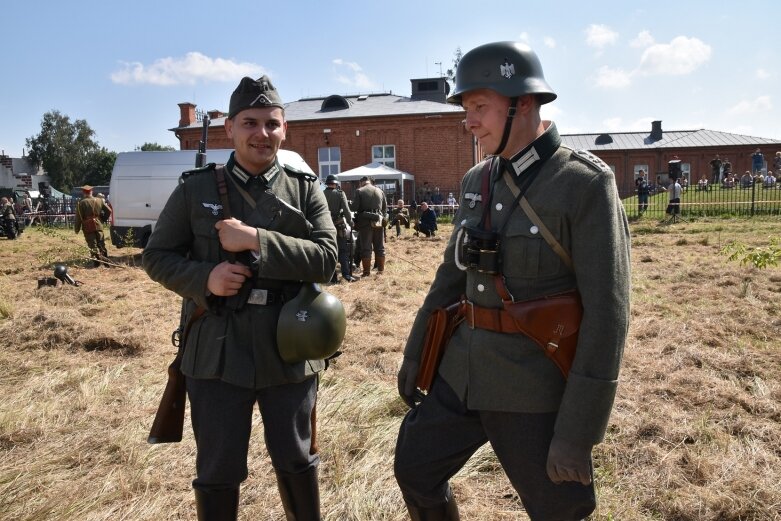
<point x="408" y="373"/>
<point x="226" y="279"/>
<point x="569" y="461"/>
<point x="236" y="236"/>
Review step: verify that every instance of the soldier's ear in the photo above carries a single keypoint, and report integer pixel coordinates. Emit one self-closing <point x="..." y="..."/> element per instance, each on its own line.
<point x="229" y="127"/>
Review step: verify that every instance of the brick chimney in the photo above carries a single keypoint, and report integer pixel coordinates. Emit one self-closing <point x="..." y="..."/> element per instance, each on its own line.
<point x="186" y="114"/>
<point x="214" y="114"/>
<point x="656" y="130"/>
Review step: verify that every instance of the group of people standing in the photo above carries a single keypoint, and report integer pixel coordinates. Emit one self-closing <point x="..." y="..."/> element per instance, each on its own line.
<point x="370" y="215"/>
<point x="537" y="220"/>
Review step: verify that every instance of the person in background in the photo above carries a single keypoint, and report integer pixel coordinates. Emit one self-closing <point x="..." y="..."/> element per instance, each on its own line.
<point x="399" y="216"/>
<point x="90" y="211"/>
<point x="495" y="384"/>
<point x="342" y="218"/>
<point x="715" y="168"/>
<point x="370" y="208"/>
<point x="757" y="162"/>
<point x="427" y="224"/>
<point x="643" y="192"/>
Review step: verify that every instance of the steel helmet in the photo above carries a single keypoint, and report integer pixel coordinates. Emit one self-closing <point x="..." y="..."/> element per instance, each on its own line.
<point x="311" y="326"/>
<point x="509" y="68"/>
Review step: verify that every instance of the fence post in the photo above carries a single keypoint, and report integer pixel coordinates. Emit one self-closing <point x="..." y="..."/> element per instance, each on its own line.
<point x="753" y="191"/>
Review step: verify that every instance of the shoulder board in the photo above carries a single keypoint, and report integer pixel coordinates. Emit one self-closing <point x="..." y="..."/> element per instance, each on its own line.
<point x="299" y="173"/>
<point x="205" y="168"/>
<point x="591" y="159"/>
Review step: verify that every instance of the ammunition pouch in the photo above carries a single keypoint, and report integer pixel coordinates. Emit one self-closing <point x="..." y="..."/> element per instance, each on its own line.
<point x="480" y="251"/>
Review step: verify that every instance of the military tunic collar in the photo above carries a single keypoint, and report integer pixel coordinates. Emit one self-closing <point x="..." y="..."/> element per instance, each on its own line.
<point x="246" y="178"/>
<point x="537" y="151"/>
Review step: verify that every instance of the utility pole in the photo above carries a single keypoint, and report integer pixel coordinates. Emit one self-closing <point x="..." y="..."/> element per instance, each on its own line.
<point x="440" y="68"/>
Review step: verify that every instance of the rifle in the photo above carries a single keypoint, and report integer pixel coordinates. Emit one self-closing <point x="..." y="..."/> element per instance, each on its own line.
<point x="168" y="424"/>
<point x="169" y="419"/>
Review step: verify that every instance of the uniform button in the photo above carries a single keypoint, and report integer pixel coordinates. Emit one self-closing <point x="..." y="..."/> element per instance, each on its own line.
<point x="534" y="229"/>
<point x="463" y="222"/>
<point x="499" y="207"/>
<point x="480" y="287"/>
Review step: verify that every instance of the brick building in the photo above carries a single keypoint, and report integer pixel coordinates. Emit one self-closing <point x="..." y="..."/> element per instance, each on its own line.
<point x="421" y="135"/>
<point x="628" y="152"/>
<point x="424" y="136"/>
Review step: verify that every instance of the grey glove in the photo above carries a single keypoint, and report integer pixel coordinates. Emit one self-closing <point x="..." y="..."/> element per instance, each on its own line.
<point x="408" y="373"/>
<point x="568" y="461"/>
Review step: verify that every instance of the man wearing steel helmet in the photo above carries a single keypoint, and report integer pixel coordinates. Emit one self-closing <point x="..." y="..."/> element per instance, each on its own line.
<point x="236" y="241"/>
<point x="495" y="382"/>
<point x="342" y="218"/>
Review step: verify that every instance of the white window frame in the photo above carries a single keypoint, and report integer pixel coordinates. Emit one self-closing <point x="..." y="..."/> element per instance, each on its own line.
<point x="326" y="167"/>
<point x="644" y="168"/>
<point x="384" y="159"/>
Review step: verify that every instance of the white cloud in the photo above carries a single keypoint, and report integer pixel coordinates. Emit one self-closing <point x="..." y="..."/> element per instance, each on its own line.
<point x="612" y="78"/>
<point x="762" y="74"/>
<point x="643" y="39"/>
<point x="600" y="36"/>
<point x="744" y="107"/>
<point x="354" y="77"/>
<point x="679" y="57"/>
<point x="550" y="42"/>
<point x="187" y="70"/>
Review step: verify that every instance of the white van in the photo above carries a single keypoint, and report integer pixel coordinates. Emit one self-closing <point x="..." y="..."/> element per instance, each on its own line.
<point x="141" y="183"/>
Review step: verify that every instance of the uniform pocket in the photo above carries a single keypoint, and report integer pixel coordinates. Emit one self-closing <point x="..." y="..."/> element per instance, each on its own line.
<point x="206" y="243"/>
<point x="525" y="252"/>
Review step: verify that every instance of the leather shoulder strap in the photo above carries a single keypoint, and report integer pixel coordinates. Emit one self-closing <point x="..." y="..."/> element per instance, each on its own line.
<point x="546" y="233"/>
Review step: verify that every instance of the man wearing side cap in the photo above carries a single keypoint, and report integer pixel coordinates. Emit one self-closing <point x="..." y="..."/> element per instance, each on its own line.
<point x="539" y="226"/>
<point x="254" y="224"/>
<point x="89" y="212"/>
<point x="342" y="218"/>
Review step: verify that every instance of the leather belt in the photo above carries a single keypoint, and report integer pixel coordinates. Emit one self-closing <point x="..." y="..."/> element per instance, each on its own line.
<point x="265" y="297"/>
<point x="492" y="319"/>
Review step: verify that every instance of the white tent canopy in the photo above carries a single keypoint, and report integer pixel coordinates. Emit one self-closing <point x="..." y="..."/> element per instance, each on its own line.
<point x="381" y="175"/>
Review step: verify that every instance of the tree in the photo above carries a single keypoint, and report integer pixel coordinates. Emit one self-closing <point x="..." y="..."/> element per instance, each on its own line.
<point x="62" y="148"/>
<point x="155" y="147"/>
<point x="451" y="73"/>
<point x="99" y="165"/>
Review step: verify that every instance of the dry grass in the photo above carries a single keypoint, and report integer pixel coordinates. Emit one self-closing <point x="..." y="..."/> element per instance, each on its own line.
<point x="696" y="432"/>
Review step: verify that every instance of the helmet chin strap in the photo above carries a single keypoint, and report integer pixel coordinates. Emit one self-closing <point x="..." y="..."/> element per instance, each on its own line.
<point x="508" y="125"/>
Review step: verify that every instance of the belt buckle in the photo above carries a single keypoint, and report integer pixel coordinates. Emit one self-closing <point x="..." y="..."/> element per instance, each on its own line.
<point x="258" y="297"/>
<point x="472" y="312"/>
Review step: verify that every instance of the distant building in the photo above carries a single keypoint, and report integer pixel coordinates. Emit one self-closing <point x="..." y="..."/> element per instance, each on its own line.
<point x="19" y="173"/>
<point x="421" y="135"/>
<point x="629" y="152"/>
<point x="424" y="136"/>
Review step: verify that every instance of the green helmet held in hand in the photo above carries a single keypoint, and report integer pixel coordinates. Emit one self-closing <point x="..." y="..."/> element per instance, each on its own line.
<point x="510" y="68"/>
<point x="311" y="326"/>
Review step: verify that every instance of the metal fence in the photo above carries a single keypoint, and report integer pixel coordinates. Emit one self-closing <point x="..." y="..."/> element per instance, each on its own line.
<point x="740" y="201"/>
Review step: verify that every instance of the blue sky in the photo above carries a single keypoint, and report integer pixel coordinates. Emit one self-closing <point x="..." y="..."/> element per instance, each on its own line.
<point x="616" y="66"/>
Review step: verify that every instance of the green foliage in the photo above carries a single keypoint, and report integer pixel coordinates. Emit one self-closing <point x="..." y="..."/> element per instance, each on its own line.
<point x="451" y="73"/>
<point x="155" y="147"/>
<point x="760" y="257"/>
<point x="99" y="165"/>
<point x="63" y="149"/>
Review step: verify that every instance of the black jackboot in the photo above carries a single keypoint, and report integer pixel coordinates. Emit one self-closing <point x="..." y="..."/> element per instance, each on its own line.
<point x="217" y="505"/>
<point x="300" y="495"/>
<point x="447" y="511"/>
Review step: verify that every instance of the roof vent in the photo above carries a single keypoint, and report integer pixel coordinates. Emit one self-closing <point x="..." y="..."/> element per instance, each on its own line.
<point x="603" y="139"/>
<point x="334" y="102"/>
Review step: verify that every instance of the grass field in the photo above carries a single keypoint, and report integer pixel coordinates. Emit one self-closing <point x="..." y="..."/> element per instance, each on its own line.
<point x="695" y="434"/>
